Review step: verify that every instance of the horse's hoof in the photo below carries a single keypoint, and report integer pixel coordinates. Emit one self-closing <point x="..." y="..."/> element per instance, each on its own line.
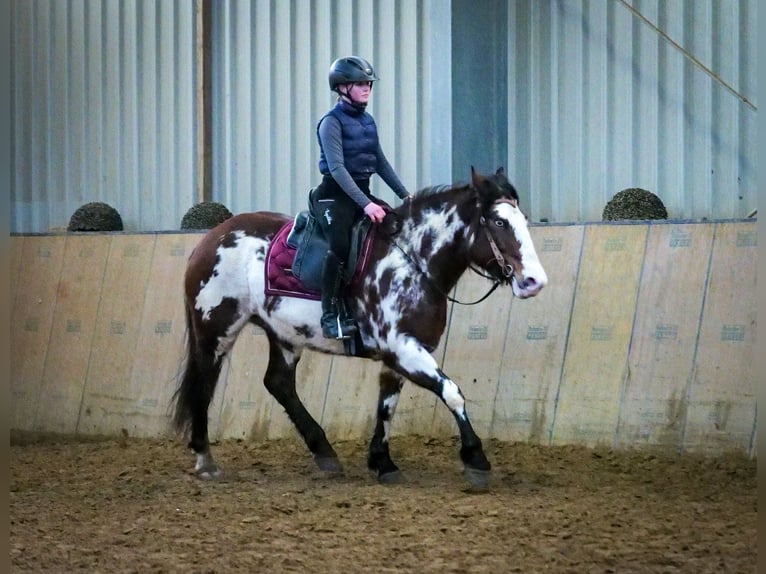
<point x="478" y="479"/>
<point x="329" y="465"/>
<point x="206" y="468"/>
<point x="394" y="477"/>
<point x="209" y="473"/>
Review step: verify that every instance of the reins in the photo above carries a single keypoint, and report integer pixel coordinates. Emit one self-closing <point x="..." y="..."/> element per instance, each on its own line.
<point x="431" y="281"/>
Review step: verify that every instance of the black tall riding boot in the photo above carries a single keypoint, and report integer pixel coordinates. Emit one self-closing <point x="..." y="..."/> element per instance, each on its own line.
<point x="334" y="326"/>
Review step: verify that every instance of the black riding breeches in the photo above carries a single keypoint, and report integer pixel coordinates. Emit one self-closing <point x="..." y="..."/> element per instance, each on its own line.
<point x="336" y="213"/>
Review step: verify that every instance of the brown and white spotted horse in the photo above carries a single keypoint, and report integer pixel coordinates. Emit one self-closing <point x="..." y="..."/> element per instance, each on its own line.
<point x="400" y="306"/>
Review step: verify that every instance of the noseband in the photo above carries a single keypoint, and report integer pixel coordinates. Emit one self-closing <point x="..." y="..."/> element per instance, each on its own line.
<point x="506" y="269"/>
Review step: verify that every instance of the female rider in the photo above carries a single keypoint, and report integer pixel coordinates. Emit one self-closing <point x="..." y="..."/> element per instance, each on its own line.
<point x="349" y="155"/>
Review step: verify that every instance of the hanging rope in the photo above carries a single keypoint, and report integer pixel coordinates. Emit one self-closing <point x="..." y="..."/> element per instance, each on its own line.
<point x="694" y="60"/>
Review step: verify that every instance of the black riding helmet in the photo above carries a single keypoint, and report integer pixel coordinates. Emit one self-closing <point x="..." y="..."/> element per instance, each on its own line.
<point x="349" y="70"/>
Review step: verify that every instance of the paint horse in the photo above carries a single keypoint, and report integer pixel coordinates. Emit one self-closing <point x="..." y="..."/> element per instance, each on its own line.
<point x="400" y="305"/>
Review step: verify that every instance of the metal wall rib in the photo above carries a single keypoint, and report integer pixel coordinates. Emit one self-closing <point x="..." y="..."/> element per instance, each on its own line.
<point x="103" y="104"/>
<point x="599" y="102"/>
<point x="271" y="60"/>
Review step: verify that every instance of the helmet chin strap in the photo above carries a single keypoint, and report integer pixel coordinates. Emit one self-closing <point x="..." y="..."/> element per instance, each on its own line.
<point x="358" y="105"/>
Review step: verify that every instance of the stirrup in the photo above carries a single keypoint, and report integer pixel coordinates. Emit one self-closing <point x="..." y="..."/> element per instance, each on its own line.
<point x="339" y="329"/>
<point x="347" y="331"/>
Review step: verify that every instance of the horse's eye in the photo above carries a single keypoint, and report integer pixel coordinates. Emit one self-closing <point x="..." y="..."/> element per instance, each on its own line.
<point x="499" y="222"/>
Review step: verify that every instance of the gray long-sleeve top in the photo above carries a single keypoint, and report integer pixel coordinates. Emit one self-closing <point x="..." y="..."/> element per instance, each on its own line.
<point x="332" y="144"/>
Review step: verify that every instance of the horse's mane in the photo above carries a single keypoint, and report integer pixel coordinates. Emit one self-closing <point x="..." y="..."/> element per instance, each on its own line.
<point x="500" y="187"/>
<point x="490" y="189"/>
<point x="444" y="188"/>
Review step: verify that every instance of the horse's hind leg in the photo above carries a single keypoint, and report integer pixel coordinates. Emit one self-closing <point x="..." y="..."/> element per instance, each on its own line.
<point x="203" y="366"/>
<point x="379" y="459"/>
<point x="207" y="374"/>
<point x="280" y="382"/>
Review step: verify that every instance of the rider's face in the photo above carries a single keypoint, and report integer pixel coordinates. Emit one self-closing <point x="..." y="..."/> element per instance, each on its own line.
<point x="359" y="91"/>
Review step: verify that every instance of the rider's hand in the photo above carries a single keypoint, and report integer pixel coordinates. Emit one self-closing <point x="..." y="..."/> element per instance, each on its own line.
<point x="374" y="212"/>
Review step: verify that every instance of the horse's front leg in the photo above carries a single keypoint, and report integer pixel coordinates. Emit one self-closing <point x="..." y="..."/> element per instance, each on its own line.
<point x="414" y="362"/>
<point x="379" y="459"/>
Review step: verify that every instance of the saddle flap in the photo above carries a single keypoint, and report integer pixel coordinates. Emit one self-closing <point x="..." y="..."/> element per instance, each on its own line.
<point x="296" y="231"/>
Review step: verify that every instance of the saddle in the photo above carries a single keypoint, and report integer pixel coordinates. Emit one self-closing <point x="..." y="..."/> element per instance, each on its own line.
<point x="295" y="255"/>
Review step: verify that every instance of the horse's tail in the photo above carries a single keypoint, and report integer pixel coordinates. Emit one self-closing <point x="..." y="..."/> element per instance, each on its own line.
<point x="198" y="381"/>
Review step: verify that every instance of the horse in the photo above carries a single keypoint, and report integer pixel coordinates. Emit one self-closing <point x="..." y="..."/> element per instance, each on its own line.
<point x="400" y="305"/>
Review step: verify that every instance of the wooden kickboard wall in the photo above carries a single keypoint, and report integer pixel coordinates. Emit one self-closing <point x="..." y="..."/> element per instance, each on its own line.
<point x="644" y="337"/>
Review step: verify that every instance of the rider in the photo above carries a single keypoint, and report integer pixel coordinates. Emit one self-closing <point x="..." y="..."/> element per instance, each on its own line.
<point x="349" y="154"/>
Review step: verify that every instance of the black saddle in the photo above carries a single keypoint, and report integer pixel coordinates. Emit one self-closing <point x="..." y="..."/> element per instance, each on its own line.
<point x="311" y="246"/>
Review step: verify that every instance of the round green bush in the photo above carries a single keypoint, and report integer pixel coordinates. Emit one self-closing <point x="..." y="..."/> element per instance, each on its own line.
<point x="634" y="203"/>
<point x="95" y="216"/>
<point x="205" y="215"/>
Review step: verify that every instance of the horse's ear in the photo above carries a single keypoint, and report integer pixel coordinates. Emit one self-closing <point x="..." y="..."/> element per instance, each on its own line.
<point x="476" y="179"/>
<point x="500" y="171"/>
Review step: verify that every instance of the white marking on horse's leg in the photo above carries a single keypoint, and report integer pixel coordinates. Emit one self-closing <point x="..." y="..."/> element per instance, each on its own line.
<point x="290" y="356"/>
<point x="390" y="405"/>
<point x="416" y="360"/>
<point x="411" y="355"/>
<point x="226" y="342"/>
<point x="453" y="398"/>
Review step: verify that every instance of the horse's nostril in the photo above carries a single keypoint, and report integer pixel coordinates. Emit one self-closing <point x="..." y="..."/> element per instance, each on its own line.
<point x="530" y="282"/>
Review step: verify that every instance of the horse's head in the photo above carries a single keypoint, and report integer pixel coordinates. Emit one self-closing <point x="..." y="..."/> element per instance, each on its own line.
<point x="503" y="245"/>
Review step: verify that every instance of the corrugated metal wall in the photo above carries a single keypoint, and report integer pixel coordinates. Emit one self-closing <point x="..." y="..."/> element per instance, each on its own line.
<point x="270" y="64"/>
<point x="103" y="110"/>
<point x="599" y="102"/>
<point x="596" y="101"/>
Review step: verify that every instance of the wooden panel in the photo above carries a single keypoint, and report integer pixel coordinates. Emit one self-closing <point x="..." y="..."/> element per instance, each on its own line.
<point x="74" y="322"/>
<point x="246" y="405"/>
<point x="17" y="253"/>
<point x="721" y="411"/>
<point x="415" y="412"/>
<point x="109" y="402"/>
<point x="597" y="350"/>
<point x="31" y="321"/>
<point x="668" y="313"/>
<point x="161" y="338"/>
<point x="537" y="335"/>
<point x="352" y="399"/>
<point x="474" y="351"/>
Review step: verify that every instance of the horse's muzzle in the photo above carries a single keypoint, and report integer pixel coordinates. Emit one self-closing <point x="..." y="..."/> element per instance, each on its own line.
<point x="527" y="287"/>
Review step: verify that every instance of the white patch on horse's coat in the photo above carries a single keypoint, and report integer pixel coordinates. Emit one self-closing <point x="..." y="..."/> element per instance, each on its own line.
<point x="453" y="398"/>
<point x="443" y="227"/>
<point x="240" y="275"/>
<point x="228" y="279"/>
<point x="412" y="357"/>
<point x="532" y="268"/>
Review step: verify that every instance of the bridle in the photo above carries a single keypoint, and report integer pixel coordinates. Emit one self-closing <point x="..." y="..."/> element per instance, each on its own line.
<point x="506" y="269"/>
